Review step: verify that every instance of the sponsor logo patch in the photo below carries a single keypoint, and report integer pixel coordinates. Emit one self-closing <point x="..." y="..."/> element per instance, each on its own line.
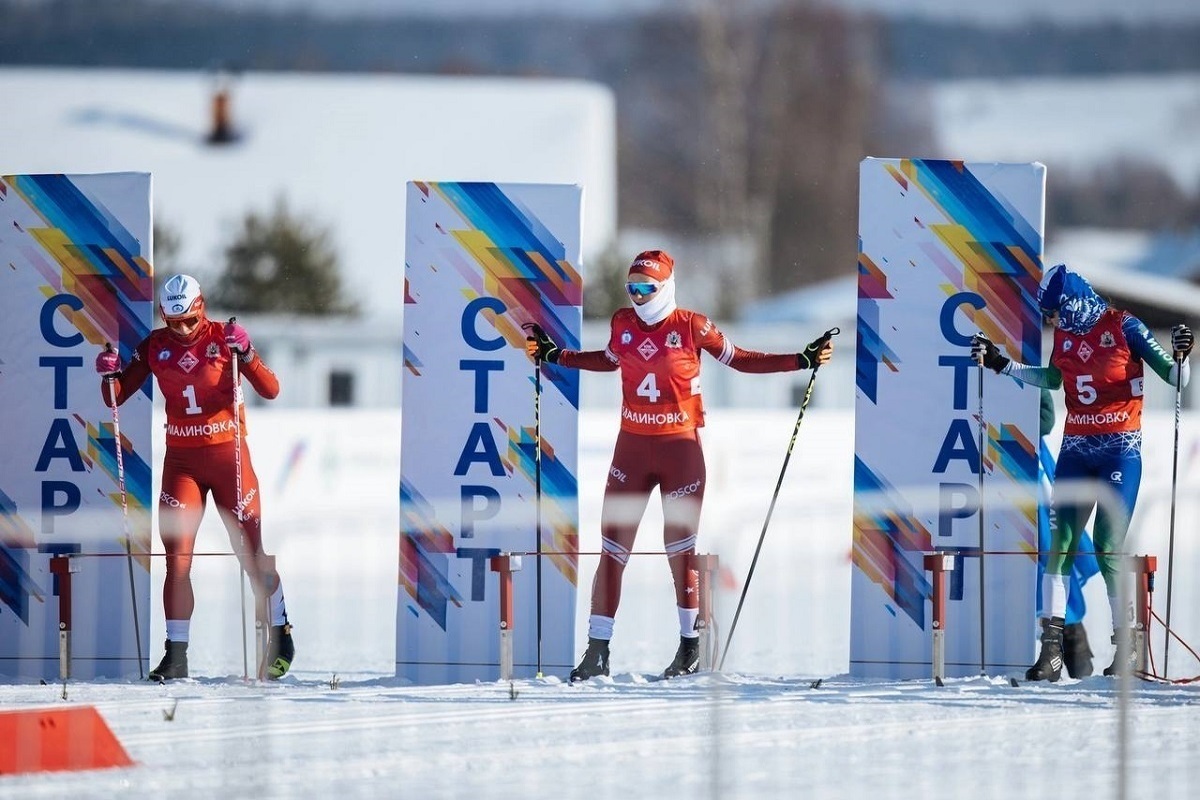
<point x="674" y="340"/>
<point x="648" y="349"/>
<point x="188" y="361"/>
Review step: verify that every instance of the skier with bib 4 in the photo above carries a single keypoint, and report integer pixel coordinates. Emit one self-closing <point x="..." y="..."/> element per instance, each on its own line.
<point x="657" y="346"/>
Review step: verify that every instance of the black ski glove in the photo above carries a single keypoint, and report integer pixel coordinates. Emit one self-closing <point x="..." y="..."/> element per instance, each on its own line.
<point x="808" y="359"/>
<point x="539" y="345"/>
<point x="983" y="351"/>
<point x="1182" y="341"/>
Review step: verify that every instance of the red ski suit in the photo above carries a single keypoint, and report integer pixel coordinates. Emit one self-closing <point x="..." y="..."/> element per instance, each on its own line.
<point x="659" y="441"/>
<point x="196" y="381"/>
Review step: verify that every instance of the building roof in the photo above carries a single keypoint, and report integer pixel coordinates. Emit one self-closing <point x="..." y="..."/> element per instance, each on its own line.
<point x="1112" y="261"/>
<point x="340" y="148"/>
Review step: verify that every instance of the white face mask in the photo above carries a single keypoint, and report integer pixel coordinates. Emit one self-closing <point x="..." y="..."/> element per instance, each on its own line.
<point x="660" y="305"/>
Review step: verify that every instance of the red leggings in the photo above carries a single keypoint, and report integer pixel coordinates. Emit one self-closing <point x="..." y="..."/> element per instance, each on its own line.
<point x="675" y="464"/>
<point x="189" y="474"/>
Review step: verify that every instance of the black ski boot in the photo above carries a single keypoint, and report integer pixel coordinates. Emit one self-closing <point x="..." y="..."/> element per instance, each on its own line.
<point x="594" y="661"/>
<point x="1077" y="655"/>
<point x="280" y="651"/>
<point x="1050" y="661"/>
<point x="687" y="658"/>
<point x="173" y="664"/>
<point x="1124" y="657"/>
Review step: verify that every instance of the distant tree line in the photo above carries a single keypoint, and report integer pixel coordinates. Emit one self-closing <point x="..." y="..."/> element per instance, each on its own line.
<point x="940" y="50"/>
<point x="160" y="33"/>
<point x="734" y="125"/>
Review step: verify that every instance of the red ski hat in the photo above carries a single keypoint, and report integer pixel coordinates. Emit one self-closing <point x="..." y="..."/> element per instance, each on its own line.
<point x="656" y="264"/>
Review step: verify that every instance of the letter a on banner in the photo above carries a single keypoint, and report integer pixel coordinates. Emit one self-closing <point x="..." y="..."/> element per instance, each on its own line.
<point x="947" y="249"/>
<point x="76" y="250"/>
<point x="481" y="260"/>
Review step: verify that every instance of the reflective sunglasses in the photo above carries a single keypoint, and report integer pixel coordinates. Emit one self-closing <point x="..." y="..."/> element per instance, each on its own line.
<point x="641" y="289"/>
<point x="183" y="324"/>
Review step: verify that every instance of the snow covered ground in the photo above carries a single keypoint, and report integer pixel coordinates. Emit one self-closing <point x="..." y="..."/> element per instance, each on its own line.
<point x="340" y="723"/>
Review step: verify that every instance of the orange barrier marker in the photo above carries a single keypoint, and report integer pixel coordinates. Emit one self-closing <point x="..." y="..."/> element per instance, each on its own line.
<point x="57" y="740"/>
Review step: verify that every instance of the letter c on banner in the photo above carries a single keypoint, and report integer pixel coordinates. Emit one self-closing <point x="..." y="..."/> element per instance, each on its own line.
<point x="46" y="320"/>
<point x="471" y="312"/>
<point x="949" y="332"/>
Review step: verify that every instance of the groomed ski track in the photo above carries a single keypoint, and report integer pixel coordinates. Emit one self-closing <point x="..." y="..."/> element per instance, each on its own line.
<point x="707" y="735"/>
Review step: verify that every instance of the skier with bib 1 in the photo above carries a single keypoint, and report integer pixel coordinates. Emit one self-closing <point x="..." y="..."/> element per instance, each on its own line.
<point x="1098" y="359"/>
<point x="190" y="359"/>
<point x="657" y="346"/>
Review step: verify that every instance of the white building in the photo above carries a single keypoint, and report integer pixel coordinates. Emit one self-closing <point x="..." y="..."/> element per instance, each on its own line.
<point x="339" y="148"/>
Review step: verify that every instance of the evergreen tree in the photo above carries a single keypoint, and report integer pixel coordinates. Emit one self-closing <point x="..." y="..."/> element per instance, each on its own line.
<point x="281" y="263"/>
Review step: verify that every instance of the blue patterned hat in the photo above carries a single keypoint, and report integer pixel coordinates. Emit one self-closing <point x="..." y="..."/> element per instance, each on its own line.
<point x="1069" y="293"/>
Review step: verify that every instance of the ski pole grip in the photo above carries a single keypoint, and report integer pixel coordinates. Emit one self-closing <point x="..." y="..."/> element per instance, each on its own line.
<point x="535" y="332"/>
<point x="824" y="340"/>
<point x="108" y="380"/>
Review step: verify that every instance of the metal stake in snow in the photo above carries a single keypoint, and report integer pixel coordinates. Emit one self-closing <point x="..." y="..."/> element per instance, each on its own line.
<point x="829" y="334"/>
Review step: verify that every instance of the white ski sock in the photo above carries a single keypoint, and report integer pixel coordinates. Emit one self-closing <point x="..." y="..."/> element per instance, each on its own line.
<point x="600" y="627"/>
<point x="1054" y="595"/>
<point x="687" y="622"/>
<point x="278" y="609"/>
<point x="1122" y="614"/>
<point x="177" y="629"/>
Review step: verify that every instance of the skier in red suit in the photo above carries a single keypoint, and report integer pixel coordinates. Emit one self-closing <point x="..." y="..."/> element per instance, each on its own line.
<point x="656" y="346"/>
<point x="190" y="358"/>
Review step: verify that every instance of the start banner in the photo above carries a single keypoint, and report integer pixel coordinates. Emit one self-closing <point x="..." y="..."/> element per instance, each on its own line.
<point x="946" y="456"/>
<point x="77" y="275"/>
<point x="488" y="445"/>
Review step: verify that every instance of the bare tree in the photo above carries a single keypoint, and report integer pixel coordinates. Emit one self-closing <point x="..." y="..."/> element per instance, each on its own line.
<point x="789" y="107"/>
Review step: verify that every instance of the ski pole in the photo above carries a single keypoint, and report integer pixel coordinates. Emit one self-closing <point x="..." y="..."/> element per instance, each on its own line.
<point x="536" y="330"/>
<point x="237" y="509"/>
<point x="982" y="583"/>
<point x="829" y="334"/>
<point x="116" y="421"/>
<point x="537" y="471"/>
<point x="1171" y="526"/>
